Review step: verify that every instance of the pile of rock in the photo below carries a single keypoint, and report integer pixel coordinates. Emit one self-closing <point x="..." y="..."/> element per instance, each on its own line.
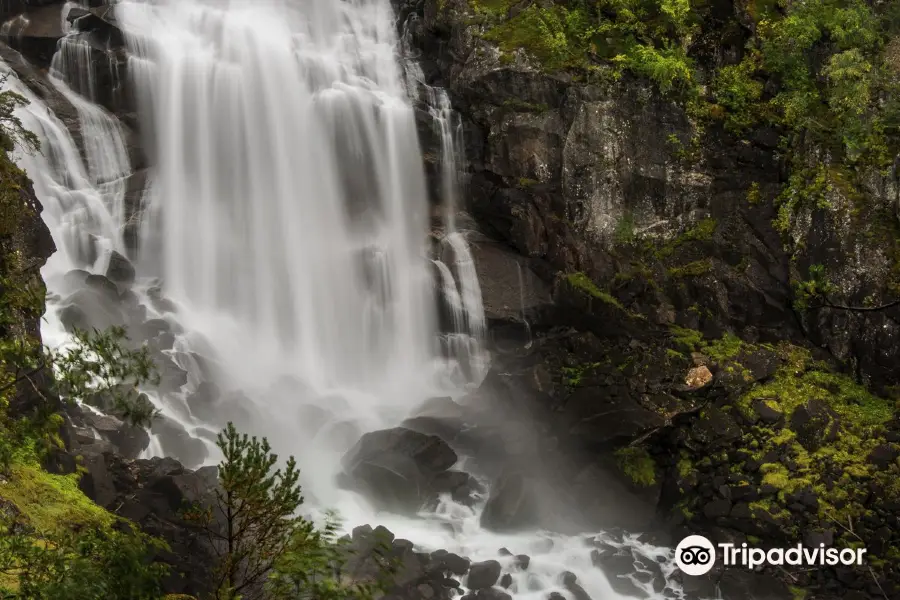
<point x="402" y="470"/>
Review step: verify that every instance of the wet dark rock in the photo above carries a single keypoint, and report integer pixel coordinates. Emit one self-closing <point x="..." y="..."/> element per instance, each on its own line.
<point x="483" y="574"/>
<point x="95" y="306"/>
<point x="767" y="413"/>
<point x="393" y="467"/>
<point x="884" y="455"/>
<point x="816" y="424"/>
<point x="522" y="561"/>
<point x="178" y="443"/>
<point x="620" y="562"/>
<point x="129" y="440"/>
<point x="152" y="493"/>
<point x="505" y="581"/>
<point x="450" y="562"/>
<point x="510" y="505"/>
<point x="491" y="594"/>
<point x="741" y="584"/>
<point x="120" y="270"/>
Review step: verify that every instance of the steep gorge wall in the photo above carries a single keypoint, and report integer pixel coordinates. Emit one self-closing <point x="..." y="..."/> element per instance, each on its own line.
<point x="584" y="171"/>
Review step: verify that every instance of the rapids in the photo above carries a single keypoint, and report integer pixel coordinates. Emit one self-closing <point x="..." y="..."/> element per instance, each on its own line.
<point x="287" y="219"/>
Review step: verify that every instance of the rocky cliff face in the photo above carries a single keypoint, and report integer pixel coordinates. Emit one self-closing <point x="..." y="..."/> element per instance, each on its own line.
<point x="607" y="176"/>
<point x="661" y="240"/>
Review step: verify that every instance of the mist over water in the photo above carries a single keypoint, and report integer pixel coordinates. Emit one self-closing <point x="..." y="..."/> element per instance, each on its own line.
<point x="286" y="227"/>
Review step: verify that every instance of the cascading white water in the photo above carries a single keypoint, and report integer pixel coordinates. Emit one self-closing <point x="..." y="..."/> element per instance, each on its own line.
<point x="288" y="201"/>
<point x="455" y="263"/>
<point x="75" y="210"/>
<point x="287" y="217"/>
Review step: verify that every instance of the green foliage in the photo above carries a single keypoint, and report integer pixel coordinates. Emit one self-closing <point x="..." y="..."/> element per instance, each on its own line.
<point x="582" y="282"/>
<point x="311" y="566"/>
<point x="668" y="66"/>
<point x="93" y="364"/>
<point x="265" y="549"/>
<point x="50" y="504"/>
<point x="736" y="89"/>
<point x="93" y="564"/>
<point x="645" y="36"/>
<point x="812" y="290"/>
<point x="556" y="36"/>
<point x="689" y="339"/>
<point x="696" y="268"/>
<point x="252" y="521"/>
<point x="573" y="376"/>
<point x="100" y="364"/>
<point x="12" y="132"/>
<point x="624" y="233"/>
<point x="637" y="464"/>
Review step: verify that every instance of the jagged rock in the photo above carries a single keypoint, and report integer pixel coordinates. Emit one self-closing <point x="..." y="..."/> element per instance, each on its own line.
<point x="741" y="584"/>
<point x="816" y="424"/>
<point x="698" y="377"/>
<point x="120" y="270"/>
<point x="178" y="443"/>
<point x="483" y="574"/>
<point x="393" y="467"/>
<point x="93" y="307"/>
<point x="152" y="493"/>
<point x="510" y="505"/>
<point x="623" y="417"/>
<point x="448" y="561"/>
<point x="491" y="594"/>
<point x="128" y="439"/>
<point x="883" y="455"/>
<point x="767" y="413"/>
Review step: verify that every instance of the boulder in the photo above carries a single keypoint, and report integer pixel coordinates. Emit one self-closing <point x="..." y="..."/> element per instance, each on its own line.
<point x="483" y="574"/>
<point x="698" y="377"/>
<point x="394" y="467"/>
<point x="178" y="443"/>
<point x="815" y="424"/>
<point x="152" y="493"/>
<point x="120" y="270"/>
<point x="128" y="439"/>
<point x="511" y="504"/>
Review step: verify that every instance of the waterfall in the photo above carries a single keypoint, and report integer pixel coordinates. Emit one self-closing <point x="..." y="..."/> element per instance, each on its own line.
<point x="283" y="237"/>
<point x="455" y="263"/>
<point x="287" y="200"/>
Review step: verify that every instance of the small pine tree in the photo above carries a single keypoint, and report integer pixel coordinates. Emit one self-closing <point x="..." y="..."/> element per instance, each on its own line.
<point x="253" y="516"/>
<point x="266" y="550"/>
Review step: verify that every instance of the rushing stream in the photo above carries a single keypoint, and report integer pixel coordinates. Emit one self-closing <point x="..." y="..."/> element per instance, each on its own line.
<point x="283" y="239"/>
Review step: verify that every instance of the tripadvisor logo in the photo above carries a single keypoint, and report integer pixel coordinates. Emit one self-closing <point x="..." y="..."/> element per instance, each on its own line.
<point x="696" y="555"/>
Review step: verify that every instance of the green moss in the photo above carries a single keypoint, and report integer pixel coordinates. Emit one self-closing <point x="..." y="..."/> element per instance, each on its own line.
<point x="797" y="593"/>
<point x="674" y="354"/>
<point x="573" y="376"/>
<point x="701" y="231"/>
<point x="637" y="464"/>
<point x="582" y="282"/>
<point x="684" y="466"/>
<point x="689" y="339"/>
<point x="556" y="36"/>
<point x="728" y="347"/>
<point x="525" y="182"/>
<point x="51" y="503"/>
<point x="624" y="233"/>
<point x="753" y="195"/>
<point x="694" y="269"/>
